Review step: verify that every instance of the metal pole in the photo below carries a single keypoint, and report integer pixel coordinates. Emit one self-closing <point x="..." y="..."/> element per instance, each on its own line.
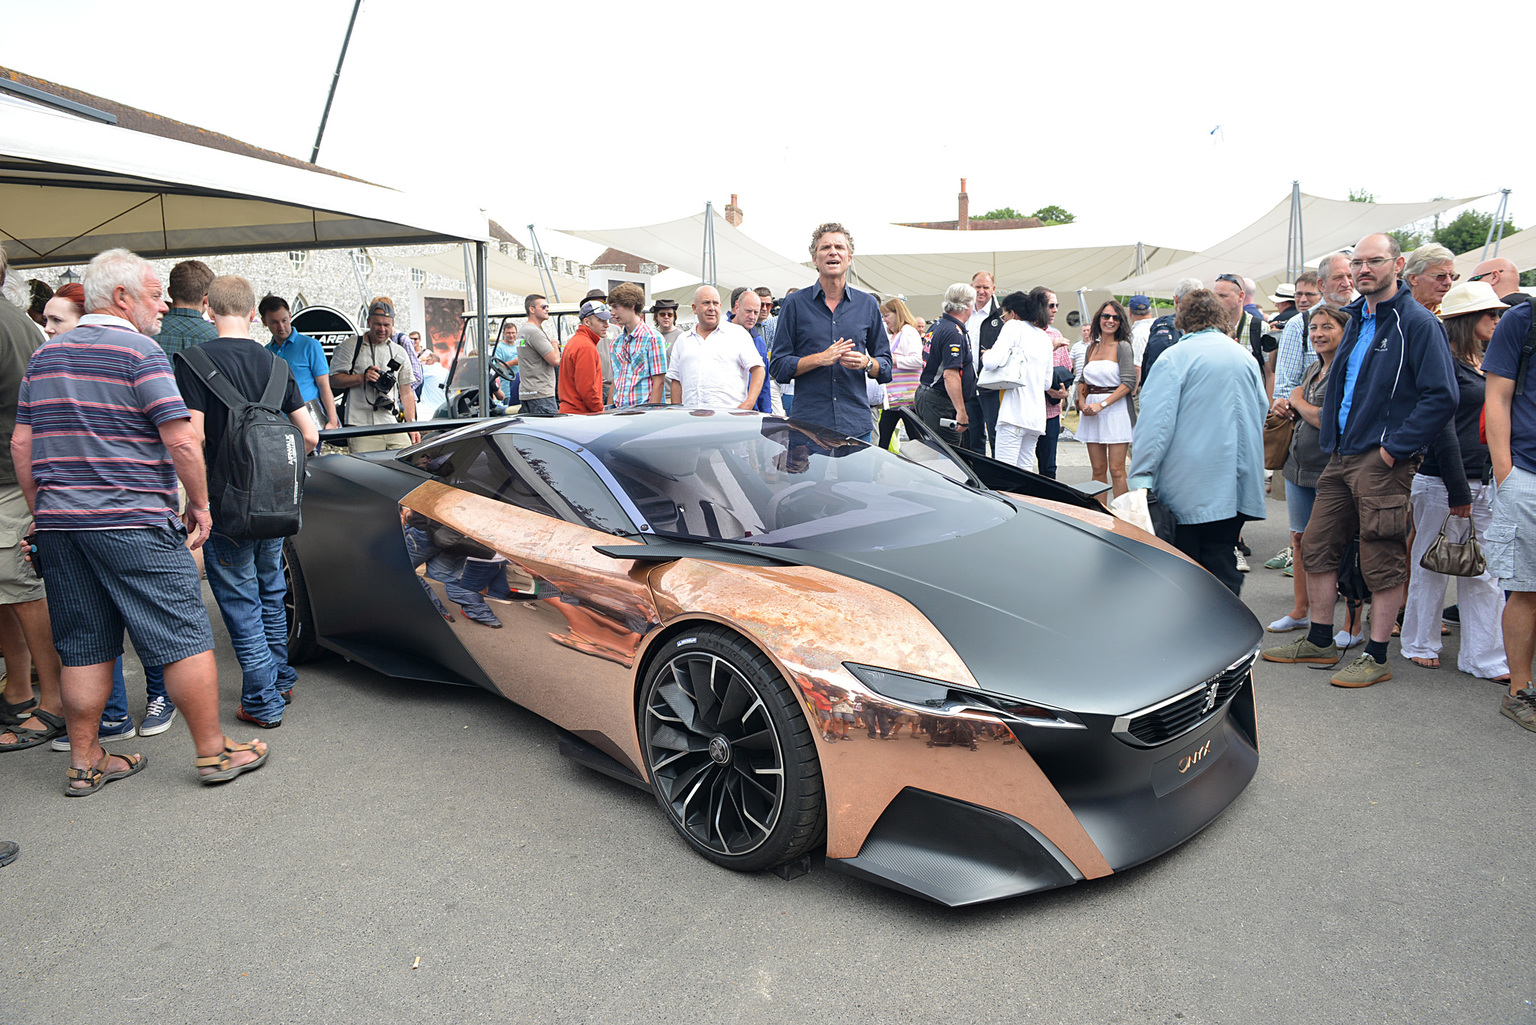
<point x="1141" y="259"/>
<point x="709" y="271"/>
<point x="335" y="80"/>
<point x="1497" y="225"/>
<point x="482" y="295"/>
<point x="1295" y="259"/>
<point x="542" y="263"/>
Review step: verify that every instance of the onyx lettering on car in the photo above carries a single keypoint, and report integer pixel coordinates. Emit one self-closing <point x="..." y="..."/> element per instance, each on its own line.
<point x="731" y="758"/>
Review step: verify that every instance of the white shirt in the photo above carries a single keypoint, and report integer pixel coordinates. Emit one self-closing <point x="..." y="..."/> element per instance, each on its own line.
<point x="1141" y="331"/>
<point x="979" y="315"/>
<point x="714" y="372"/>
<point x="1024" y="406"/>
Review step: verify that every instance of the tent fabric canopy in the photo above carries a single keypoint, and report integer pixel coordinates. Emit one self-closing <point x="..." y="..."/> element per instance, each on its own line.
<point x="1258" y="251"/>
<point x="740" y="259"/>
<point x="1519" y="248"/>
<point x="71" y="187"/>
<point x="503" y="272"/>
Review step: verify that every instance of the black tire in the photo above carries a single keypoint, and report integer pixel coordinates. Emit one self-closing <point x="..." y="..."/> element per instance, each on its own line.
<point x="731" y="757"/>
<point x="302" y="645"/>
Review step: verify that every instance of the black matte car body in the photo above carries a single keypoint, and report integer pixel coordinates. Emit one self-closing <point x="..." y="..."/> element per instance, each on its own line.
<point x="703" y="599"/>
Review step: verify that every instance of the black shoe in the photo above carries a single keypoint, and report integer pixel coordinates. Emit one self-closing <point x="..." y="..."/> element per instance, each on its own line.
<point x="1243" y="547"/>
<point x="1451" y="614"/>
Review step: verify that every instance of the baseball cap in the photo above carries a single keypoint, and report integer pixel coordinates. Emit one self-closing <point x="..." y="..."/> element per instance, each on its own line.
<point x="1139" y="303"/>
<point x="595" y="308"/>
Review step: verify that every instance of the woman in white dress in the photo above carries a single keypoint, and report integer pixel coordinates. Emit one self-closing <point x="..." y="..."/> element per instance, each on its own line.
<point x="1021" y="412"/>
<point x="1104" y="395"/>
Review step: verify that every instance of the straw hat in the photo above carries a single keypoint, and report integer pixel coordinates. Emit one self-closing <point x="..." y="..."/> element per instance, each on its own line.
<point x="1469" y="297"/>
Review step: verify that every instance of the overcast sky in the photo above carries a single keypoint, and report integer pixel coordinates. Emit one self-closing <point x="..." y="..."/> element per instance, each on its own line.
<point x="597" y="114"/>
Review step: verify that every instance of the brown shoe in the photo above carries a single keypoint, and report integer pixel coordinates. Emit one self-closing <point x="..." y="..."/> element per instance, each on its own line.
<point x="1303" y="650"/>
<point x="1521" y="707"/>
<point x="1362" y="672"/>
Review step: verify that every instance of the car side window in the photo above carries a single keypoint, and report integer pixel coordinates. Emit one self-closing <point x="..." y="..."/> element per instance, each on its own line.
<point x="480" y="467"/>
<point x="569" y="476"/>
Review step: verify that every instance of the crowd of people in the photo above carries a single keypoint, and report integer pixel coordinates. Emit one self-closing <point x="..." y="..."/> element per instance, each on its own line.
<point x="1402" y="388"/>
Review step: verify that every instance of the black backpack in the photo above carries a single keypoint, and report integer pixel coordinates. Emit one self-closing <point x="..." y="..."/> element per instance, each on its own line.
<point x="256" y="478"/>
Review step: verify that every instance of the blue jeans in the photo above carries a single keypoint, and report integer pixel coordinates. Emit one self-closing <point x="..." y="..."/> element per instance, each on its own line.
<point x="117" y="701"/>
<point x="246" y="578"/>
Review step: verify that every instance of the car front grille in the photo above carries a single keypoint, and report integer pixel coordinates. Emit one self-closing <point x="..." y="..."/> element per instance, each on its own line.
<point x="1167" y="720"/>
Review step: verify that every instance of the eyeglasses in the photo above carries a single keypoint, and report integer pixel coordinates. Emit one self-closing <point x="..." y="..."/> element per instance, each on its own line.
<point x="1054" y="306"/>
<point x="1495" y="314"/>
<point x="1442" y="278"/>
<point x="1484" y="274"/>
<point x="1233" y="278"/>
<point x="1375" y="263"/>
<point x="1109" y="316"/>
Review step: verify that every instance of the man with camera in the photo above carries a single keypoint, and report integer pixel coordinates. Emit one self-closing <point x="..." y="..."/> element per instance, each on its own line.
<point x="374" y="373"/>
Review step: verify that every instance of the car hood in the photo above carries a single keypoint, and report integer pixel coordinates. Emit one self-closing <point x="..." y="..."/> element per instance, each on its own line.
<point x="1047" y="608"/>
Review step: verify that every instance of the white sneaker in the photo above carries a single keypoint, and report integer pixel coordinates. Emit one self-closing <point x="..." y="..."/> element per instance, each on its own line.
<point x="1285" y="624"/>
<point x="1242" y="560"/>
<point x="1345" y="641"/>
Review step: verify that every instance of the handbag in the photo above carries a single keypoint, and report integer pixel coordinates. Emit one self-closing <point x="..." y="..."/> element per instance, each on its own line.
<point x="1277" y="440"/>
<point x="1009" y="375"/>
<point x="1455" y="558"/>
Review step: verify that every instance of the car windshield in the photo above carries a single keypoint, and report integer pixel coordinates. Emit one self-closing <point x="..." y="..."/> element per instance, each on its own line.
<point x="722" y="475"/>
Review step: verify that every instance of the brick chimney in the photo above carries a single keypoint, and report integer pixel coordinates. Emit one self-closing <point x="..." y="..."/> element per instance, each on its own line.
<point x="965" y="208"/>
<point x="733" y="212"/>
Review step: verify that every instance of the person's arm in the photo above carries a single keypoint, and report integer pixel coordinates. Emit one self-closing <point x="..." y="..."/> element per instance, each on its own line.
<point x="589" y="382"/>
<point x="551" y="354"/>
<point x="1308" y="412"/>
<point x="908" y="353"/>
<point x="754" y="385"/>
<point x="1497" y="402"/>
<point x="657" y="383"/>
<point x="301" y="419"/>
<point x="1288" y="362"/>
<point x="184" y="442"/>
<point x="1434" y="375"/>
<point x="327" y="401"/>
<point x="1155" y="426"/>
<point x="675" y="392"/>
<point x="21" y="455"/>
<point x="952" y="386"/>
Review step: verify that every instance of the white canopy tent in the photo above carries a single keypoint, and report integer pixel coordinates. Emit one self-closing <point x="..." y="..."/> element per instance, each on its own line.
<point x="1519" y="248"/>
<point x="679" y="244"/>
<point x="71" y="187"/>
<point x="1259" y="250"/>
<point x="503" y="272"/>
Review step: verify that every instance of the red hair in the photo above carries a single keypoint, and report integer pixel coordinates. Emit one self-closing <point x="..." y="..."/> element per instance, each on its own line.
<point x="74" y="293"/>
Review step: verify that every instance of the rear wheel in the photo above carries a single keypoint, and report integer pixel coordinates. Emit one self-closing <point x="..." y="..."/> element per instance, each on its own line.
<point x="302" y="645"/>
<point x="731" y="758"/>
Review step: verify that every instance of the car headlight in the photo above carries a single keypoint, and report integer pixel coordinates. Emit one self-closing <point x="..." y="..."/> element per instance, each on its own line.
<point x="946" y="699"/>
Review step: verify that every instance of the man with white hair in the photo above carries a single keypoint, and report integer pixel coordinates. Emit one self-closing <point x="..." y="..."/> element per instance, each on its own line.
<point x="102" y="434"/>
<point x="948" y="374"/>
<point x="1430" y="273"/>
<point x="1163" y="333"/>
<point x="1295" y="354"/>
<point x="715" y="364"/>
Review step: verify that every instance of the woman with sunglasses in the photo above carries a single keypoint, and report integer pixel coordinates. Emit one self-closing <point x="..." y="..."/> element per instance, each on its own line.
<point x="1103" y="395"/>
<point x="1449" y="483"/>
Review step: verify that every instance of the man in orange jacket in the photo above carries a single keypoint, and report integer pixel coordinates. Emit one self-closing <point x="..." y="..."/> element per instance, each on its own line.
<point x="580" y="387"/>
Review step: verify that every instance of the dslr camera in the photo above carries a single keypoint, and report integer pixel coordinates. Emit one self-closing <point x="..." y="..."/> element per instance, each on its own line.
<point x="385" y="383"/>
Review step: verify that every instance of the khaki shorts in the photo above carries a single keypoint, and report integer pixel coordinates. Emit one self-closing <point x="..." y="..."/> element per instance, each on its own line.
<point x="19" y="582"/>
<point x="380" y="443"/>
<point x="1360" y="493"/>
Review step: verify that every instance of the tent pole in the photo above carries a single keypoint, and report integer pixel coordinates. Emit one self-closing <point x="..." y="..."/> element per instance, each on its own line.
<point x="1497" y="224"/>
<point x="1294" y="258"/>
<point x="482" y="318"/>
<point x="335" y="80"/>
<point x="708" y="270"/>
<point x="540" y="262"/>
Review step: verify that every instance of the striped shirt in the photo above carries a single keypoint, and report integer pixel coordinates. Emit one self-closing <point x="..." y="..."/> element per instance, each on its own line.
<point x="638" y="356"/>
<point x="94" y="398"/>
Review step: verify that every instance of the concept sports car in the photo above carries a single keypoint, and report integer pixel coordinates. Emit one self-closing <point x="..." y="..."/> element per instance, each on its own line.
<point x="802" y="643"/>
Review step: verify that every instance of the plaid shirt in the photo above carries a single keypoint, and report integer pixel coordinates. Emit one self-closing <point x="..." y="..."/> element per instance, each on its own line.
<point x="638" y="356"/>
<point x="181" y="328"/>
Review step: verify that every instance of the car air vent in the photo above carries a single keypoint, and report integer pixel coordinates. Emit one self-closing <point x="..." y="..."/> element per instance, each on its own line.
<point x="1170" y="719"/>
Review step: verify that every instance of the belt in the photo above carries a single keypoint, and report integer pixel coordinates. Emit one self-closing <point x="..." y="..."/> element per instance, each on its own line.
<point x="1101" y="391"/>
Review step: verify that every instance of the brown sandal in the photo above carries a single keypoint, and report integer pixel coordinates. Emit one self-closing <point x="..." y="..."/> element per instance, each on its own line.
<point x="97" y="775"/>
<point x="224" y="769"/>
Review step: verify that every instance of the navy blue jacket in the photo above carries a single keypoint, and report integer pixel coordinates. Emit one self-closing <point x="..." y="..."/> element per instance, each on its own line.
<point x="1406" y="389"/>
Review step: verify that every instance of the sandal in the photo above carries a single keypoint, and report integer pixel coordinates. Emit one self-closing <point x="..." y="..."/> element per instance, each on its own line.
<point x="26" y="738"/>
<point x="16" y="714"/>
<point x="224" y="769"/>
<point x="1427" y="663"/>
<point x="97" y="775"/>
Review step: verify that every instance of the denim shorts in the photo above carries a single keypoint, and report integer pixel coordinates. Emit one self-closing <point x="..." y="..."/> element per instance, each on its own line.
<point x="1298" y="505"/>
<point x="100" y="581"/>
<point x="1510" y="543"/>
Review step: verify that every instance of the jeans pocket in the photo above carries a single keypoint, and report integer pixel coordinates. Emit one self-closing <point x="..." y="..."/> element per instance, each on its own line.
<point x="1383" y="518"/>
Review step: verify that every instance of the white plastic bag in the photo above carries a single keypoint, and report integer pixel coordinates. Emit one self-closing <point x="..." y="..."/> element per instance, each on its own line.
<point x="1132" y="508"/>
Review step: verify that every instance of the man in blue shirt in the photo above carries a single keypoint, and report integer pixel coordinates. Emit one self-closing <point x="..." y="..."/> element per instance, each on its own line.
<point x="304" y="356"/>
<point x="831" y="340"/>
<point x="1510" y="409"/>
<point x="1391" y="390"/>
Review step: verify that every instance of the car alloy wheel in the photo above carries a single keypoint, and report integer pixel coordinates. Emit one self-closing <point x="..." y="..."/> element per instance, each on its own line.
<point x="731" y="757"/>
<point x="302" y="646"/>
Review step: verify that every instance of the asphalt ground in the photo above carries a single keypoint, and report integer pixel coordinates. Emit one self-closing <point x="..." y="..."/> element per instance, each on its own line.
<point x="415" y="852"/>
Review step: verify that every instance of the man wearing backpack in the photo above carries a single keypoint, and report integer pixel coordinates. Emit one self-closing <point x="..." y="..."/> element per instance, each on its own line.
<point x="245" y="573"/>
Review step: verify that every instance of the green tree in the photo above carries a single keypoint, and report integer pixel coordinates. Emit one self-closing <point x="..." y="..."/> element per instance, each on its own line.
<point x="1407" y="239"/>
<point x="1053" y="215"/>
<point x="1469" y="231"/>
<point x="1361" y="196"/>
<point x="1005" y="213"/>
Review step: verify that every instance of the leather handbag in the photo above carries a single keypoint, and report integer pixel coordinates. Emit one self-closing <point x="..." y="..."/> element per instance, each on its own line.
<point x="1277" y="440"/>
<point x="1455" y="558"/>
<point x="1009" y="375"/>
